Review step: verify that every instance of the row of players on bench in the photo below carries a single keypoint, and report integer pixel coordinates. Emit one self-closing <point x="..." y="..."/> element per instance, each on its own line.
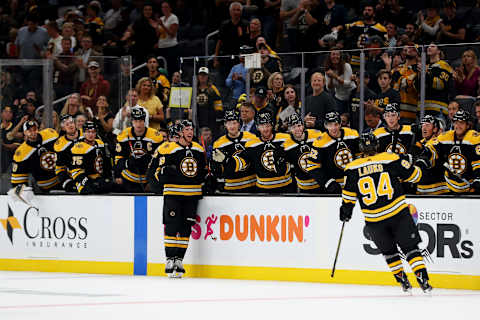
<point x="304" y="160"/>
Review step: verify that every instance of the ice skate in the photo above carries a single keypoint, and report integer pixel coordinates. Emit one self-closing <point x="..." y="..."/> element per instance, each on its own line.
<point x="170" y="267"/>
<point x="423" y="282"/>
<point x="404" y="282"/>
<point x="179" y="269"/>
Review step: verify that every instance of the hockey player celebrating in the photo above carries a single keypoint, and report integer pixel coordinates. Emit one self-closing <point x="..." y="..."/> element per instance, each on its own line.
<point x="331" y="153"/>
<point x="394" y="137"/>
<point x="267" y="155"/>
<point x="238" y="175"/>
<point x="458" y="150"/>
<point x="298" y="148"/>
<point x="134" y="150"/>
<point x="432" y="181"/>
<point x="181" y="171"/>
<point x="374" y="181"/>
<point x="90" y="168"/>
<point x="63" y="148"/>
<point x="36" y="156"/>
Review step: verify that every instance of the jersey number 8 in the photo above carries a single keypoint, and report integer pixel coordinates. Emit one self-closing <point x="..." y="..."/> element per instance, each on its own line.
<point x="366" y="185"/>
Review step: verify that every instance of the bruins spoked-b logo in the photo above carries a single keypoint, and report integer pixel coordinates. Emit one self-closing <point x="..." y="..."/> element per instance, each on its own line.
<point x="302" y="160"/>
<point x="189" y="167"/>
<point x="399" y="149"/>
<point x="343" y="157"/>
<point x="48" y="161"/>
<point x="268" y="160"/>
<point x="457" y="163"/>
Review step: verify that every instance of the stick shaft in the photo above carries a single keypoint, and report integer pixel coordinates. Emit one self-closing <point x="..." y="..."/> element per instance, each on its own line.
<point x="338" y="250"/>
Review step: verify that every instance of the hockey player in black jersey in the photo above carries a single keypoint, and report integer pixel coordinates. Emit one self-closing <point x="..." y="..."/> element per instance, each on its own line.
<point x="267" y="155"/>
<point x="181" y="170"/>
<point x="298" y="149"/>
<point x="394" y="137"/>
<point x="134" y="150"/>
<point x="331" y="152"/>
<point x="90" y="168"/>
<point x="63" y="147"/>
<point x="37" y="157"/>
<point x="374" y="180"/>
<point x="238" y="175"/>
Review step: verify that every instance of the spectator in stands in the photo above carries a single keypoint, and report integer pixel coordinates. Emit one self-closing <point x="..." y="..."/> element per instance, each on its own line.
<point x="290" y="104"/>
<point x="148" y="100"/>
<point x="80" y="120"/>
<point x="467" y="75"/>
<point x="306" y="18"/>
<point x="209" y="102"/>
<point x="236" y="81"/>
<point x="206" y="140"/>
<point x="261" y="104"/>
<point x="113" y="17"/>
<point x="233" y="34"/>
<point x="376" y="60"/>
<point x="453" y="107"/>
<point x="84" y="55"/>
<point x="123" y="117"/>
<point x="387" y="94"/>
<point x="159" y="79"/>
<point x="65" y="68"/>
<point x="7" y="88"/>
<point x="94" y="87"/>
<point x="68" y="31"/>
<point x="269" y="60"/>
<point x="275" y="83"/>
<point x="73" y="106"/>
<point x="176" y="79"/>
<point x="247" y="115"/>
<point x="8" y="145"/>
<point x="288" y="10"/>
<point x="319" y="103"/>
<point x="372" y="119"/>
<point x="345" y="120"/>
<point x="452" y="29"/>
<point x="167" y="37"/>
<point x="395" y="13"/>
<point x="411" y="30"/>
<point x="429" y="26"/>
<point x="333" y="15"/>
<point x="338" y="75"/>
<point x="369" y="98"/>
<point x="143" y="34"/>
<point x="255" y="28"/>
<point x="54" y="45"/>
<point x="391" y="36"/>
<point x="104" y="121"/>
<point x="31" y="43"/>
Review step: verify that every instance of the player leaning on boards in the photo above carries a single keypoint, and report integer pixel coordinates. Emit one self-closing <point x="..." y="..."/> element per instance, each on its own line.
<point x="374" y="179"/>
<point x="181" y="170"/>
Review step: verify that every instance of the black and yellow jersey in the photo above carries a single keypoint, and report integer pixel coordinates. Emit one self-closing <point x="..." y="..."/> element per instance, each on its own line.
<point x="88" y="161"/>
<point x="162" y="88"/>
<point x="360" y="31"/>
<point x="181" y="169"/>
<point x="432" y="181"/>
<point x="138" y="150"/>
<point x="298" y="153"/>
<point x="38" y="159"/>
<point x="376" y="182"/>
<point x="330" y="156"/>
<point x="268" y="159"/>
<point x="63" y="147"/>
<point x="238" y="174"/>
<point x="462" y="156"/>
<point x="210" y="107"/>
<point x="438" y="86"/>
<point x="404" y="80"/>
<point x="403" y="139"/>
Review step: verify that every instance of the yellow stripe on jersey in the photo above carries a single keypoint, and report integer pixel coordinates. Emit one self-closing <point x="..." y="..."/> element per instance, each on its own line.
<point x="48" y="184"/>
<point x="415" y="176"/>
<point x="475" y="165"/>
<point x="240" y="183"/>
<point x="19" y="178"/>
<point x="276" y="182"/>
<point x="309" y="184"/>
<point x="133" y="177"/>
<point x="385" y="212"/>
<point x="435" y="188"/>
<point x="182" y="190"/>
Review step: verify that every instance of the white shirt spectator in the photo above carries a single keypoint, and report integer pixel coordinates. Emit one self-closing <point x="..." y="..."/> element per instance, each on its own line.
<point x="164" y="40"/>
<point x="120" y="122"/>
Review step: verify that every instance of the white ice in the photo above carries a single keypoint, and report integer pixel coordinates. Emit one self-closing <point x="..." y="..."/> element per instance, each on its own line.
<point x="38" y="296"/>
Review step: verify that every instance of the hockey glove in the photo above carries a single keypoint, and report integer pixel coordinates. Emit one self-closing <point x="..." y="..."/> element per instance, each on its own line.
<point x="345" y="213"/>
<point x="218" y="156"/>
<point x="69" y="185"/>
<point x="333" y="187"/>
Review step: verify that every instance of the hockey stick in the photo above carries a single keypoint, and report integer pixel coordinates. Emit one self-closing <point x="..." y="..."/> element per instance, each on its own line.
<point x="338" y="250"/>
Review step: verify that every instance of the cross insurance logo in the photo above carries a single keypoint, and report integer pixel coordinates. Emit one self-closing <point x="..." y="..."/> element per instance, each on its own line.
<point x="26" y="226"/>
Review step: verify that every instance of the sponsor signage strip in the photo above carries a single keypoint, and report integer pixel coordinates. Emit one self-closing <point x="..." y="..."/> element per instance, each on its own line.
<point x="140" y="254"/>
<point x="67" y="266"/>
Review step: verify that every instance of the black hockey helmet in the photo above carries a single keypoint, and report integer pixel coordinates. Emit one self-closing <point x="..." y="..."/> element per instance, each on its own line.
<point x="368" y="143"/>
<point x="294" y="119"/>
<point x="30" y="124"/>
<point x="392" y="107"/>
<point x="184" y="124"/>
<point x="88" y="125"/>
<point x="332" y="116"/>
<point x="138" y="113"/>
<point x="231" y="115"/>
<point x="66" y="117"/>
<point x="430" y="119"/>
<point x="263" y="118"/>
<point x="173" y="130"/>
<point x="461" y="115"/>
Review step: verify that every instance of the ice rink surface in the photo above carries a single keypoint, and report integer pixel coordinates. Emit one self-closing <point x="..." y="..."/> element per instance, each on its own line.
<point x="32" y="295"/>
